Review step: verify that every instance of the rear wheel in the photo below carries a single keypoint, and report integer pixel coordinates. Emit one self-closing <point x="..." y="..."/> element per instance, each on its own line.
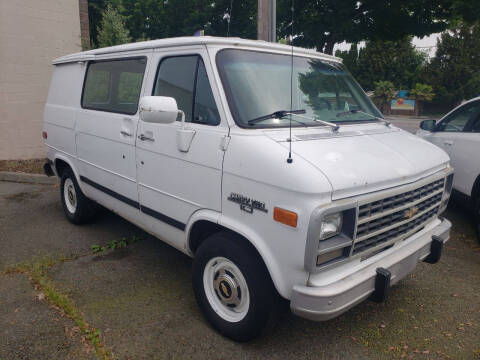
<point x="233" y="287"/>
<point x="77" y="207"/>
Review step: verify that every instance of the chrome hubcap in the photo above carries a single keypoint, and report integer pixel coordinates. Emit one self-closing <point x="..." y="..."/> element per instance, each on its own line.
<point x="226" y="288"/>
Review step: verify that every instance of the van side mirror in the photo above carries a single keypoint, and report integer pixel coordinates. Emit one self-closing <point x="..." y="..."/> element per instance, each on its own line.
<point x="428" y="125"/>
<point x="158" y="109"/>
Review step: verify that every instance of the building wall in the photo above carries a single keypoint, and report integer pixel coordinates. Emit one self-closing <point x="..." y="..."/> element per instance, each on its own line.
<point x="32" y="33"/>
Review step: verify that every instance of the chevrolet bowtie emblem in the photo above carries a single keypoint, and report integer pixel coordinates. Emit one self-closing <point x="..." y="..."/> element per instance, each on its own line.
<point x="411" y="212"/>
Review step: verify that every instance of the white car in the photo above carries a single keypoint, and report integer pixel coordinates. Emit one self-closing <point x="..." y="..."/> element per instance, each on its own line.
<point x="268" y="165"/>
<point x="458" y="133"/>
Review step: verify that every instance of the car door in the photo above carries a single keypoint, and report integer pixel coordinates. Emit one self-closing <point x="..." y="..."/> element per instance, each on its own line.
<point x="173" y="184"/>
<point x="448" y="126"/>
<point x="453" y="135"/>
<point x="465" y="148"/>
<point x="106" y="128"/>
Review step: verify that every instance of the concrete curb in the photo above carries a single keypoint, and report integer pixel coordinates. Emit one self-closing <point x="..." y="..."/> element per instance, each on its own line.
<point x="27" y="178"/>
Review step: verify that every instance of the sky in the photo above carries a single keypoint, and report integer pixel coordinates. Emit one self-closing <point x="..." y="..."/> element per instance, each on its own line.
<point x="428" y="44"/>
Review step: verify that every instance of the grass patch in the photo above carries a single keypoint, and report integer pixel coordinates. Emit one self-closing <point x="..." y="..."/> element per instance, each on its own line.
<point x="38" y="274"/>
<point x="114" y="244"/>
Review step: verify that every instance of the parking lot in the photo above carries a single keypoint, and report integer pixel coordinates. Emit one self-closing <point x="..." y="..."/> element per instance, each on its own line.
<point x="138" y="303"/>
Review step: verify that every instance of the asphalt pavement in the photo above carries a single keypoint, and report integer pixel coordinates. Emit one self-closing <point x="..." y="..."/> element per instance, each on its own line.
<point x="141" y="301"/>
<point x="406" y="123"/>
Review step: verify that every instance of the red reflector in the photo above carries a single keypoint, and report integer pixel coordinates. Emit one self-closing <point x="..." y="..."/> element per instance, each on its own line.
<point x="44" y="134"/>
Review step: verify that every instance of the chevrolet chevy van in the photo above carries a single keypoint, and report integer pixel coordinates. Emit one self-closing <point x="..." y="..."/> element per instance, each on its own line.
<point x="266" y="164"/>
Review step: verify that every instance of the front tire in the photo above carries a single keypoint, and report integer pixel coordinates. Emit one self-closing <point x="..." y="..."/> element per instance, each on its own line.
<point x="233" y="287"/>
<point x="77" y="207"/>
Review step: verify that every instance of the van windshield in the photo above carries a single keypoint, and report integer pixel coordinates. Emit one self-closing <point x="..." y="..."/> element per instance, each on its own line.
<point x="258" y="84"/>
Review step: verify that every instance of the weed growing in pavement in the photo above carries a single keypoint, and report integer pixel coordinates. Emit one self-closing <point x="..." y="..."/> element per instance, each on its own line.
<point x="114" y="244"/>
<point x="38" y="274"/>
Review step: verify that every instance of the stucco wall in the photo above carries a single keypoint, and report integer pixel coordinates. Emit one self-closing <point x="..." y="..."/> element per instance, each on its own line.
<point x="32" y="33"/>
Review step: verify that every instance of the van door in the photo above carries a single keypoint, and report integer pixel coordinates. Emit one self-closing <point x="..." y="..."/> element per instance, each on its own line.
<point x="173" y="184"/>
<point x="106" y="131"/>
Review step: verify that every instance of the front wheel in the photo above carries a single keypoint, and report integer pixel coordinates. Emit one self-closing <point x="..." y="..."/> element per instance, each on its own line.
<point x="233" y="287"/>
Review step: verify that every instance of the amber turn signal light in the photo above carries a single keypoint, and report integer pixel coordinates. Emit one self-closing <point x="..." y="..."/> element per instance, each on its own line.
<point x="285" y="217"/>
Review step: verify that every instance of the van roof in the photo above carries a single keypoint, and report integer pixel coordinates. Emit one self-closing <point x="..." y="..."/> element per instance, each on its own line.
<point x="189" y="40"/>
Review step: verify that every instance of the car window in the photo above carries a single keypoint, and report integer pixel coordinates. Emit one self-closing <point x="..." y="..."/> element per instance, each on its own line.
<point x="175" y="79"/>
<point x="205" y="108"/>
<point x="97" y="87"/>
<point x="476" y="124"/>
<point x="114" y="86"/>
<point x="458" y="120"/>
<point x="129" y="86"/>
<point x="185" y="79"/>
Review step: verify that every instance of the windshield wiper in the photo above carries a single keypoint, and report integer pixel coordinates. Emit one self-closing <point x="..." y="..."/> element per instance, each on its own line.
<point x="387" y="123"/>
<point x="277" y="115"/>
<point x="334" y="127"/>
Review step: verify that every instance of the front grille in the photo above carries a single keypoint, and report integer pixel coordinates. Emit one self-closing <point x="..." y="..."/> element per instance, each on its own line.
<point x="397" y="216"/>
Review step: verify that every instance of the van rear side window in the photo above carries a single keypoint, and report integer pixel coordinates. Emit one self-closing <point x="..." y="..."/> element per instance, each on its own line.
<point x="114" y="85"/>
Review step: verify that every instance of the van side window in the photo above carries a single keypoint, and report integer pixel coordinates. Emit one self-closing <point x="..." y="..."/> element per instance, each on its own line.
<point x="114" y="85"/>
<point x="185" y="79"/>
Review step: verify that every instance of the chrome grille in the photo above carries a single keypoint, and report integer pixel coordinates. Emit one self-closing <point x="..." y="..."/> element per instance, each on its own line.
<point x="396" y="216"/>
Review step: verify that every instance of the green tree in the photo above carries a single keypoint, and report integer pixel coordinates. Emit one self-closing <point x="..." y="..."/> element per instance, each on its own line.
<point x="421" y="93"/>
<point x="454" y="71"/>
<point x="112" y="30"/>
<point x="395" y="61"/>
<point x="155" y="19"/>
<point x="318" y="24"/>
<point x="321" y="24"/>
<point x="350" y="58"/>
<point x="95" y="12"/>
<point x="384" y="93"/>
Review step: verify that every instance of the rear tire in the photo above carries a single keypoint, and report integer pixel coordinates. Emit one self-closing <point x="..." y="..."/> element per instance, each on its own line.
<point x="77" y="207"/>
<point x="233" y="287"/>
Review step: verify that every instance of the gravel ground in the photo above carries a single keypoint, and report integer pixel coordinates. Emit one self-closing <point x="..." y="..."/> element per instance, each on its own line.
<point x="140" y="297"/>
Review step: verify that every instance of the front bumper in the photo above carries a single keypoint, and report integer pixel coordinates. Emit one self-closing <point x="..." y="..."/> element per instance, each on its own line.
<point x="326" y="302"/>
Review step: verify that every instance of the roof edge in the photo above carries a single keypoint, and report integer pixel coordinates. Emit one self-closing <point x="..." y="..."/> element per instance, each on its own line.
<point x="188" y="40"/>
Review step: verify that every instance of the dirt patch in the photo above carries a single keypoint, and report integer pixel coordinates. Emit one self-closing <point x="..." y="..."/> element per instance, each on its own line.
<point x="31" y="166"/>
<point x="22" y="196"/>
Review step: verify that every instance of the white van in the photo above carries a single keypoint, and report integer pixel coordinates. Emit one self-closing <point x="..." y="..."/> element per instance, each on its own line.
<point x="266" y="164"/>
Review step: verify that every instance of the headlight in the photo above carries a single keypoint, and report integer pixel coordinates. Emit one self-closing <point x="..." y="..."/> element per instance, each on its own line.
<point x="331" y="225"/>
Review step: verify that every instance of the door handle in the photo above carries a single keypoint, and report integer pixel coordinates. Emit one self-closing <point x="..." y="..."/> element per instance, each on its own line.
<point x="448" y="142"/>
<point x="145" y="138"/>
<point x="125" y="133"/>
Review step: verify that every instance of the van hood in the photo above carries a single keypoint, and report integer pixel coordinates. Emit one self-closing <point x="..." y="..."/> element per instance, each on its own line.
<point x="358" y="162"/>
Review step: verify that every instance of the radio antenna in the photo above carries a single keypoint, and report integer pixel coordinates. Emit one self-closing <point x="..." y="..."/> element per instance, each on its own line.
<point x="290" y="160"/>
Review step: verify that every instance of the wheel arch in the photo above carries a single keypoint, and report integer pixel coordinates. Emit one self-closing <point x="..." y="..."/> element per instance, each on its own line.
<point x="476" y="189"/>
<point x="61" y="162"/>
<point x="207" y="223"/>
